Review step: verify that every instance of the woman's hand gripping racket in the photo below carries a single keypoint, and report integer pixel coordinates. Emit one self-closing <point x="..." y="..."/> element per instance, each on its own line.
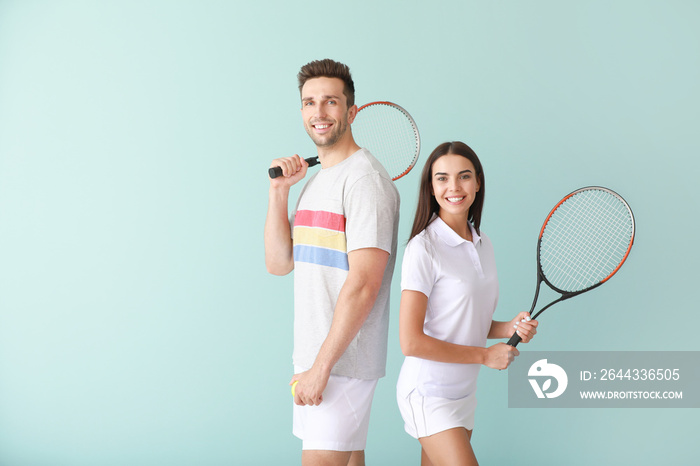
<point x="390" y="134"/>
<point x="584" y="241"/>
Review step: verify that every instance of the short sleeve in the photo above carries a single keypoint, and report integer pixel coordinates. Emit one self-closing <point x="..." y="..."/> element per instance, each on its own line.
<point x="293" y="214"/>
<point x="418" y="271"/>
<point x="371" y="212"/>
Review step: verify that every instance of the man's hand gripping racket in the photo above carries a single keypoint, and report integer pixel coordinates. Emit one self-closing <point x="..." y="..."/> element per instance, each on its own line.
<point x="584" y="241"/>
<point x="390" y="134"/>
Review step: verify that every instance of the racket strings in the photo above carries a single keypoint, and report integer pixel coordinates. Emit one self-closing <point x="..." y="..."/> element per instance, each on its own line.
<point x="575" y="267"/>
<point x="589" y="237"/>
<point x="390" y="135"/>
<point x="592" y="254"/>
<point x="585" y="240"/>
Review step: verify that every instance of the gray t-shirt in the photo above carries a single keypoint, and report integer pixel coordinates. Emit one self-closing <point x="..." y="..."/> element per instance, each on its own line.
<point x="351" y="205"/>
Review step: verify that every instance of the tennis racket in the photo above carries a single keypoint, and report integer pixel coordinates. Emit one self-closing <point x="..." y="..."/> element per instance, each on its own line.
<point x="390" y="134"/>
<point x="584" y="241"/>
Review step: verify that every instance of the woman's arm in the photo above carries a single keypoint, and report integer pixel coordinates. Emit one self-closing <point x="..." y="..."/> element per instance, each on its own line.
<point x="526" y="328"/>
<point x="414" y="341"/>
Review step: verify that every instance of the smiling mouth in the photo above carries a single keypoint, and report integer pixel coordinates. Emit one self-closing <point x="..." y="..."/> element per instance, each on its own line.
<point x="455" y="199"/>
<point x="321" y="126"/>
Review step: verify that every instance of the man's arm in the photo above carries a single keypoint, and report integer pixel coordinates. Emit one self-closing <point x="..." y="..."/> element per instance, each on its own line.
<point x="279" y="258"/>
<point x="355" y="302"/>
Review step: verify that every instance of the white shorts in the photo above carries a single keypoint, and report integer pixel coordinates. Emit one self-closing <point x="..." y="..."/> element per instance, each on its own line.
<point x="341" y="421"/>
<point x="424" y="416"/>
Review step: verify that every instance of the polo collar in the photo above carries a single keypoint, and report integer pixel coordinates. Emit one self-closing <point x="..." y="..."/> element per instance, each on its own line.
<point x="448" y="235"/>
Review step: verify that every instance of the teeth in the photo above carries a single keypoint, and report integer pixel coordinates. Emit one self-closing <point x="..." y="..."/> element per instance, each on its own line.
<point x="321" y="126"/>
<point x="455" y="199"/>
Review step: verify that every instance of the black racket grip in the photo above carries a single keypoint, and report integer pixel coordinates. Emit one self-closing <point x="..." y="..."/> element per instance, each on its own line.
<point x="274" y="172"/>
<point x="514" y="340"/>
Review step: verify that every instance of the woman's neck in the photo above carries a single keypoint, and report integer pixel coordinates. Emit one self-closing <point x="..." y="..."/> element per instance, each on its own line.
<point x="458" y="223"/>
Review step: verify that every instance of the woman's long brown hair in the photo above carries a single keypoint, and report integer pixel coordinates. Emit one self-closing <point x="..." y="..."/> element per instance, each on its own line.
<point x="427" y="205"/>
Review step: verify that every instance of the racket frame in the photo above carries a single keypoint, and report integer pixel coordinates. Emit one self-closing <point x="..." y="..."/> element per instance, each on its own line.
<point x="413" y="125"/>
<point x="274" y="172"/>
<point x="541" y="277"/>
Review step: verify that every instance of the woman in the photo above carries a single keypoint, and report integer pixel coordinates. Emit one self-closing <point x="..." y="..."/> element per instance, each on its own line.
<point x="449" y="294"/>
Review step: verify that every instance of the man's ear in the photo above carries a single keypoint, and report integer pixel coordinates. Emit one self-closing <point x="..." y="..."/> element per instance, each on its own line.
<point x="352" y="113"/>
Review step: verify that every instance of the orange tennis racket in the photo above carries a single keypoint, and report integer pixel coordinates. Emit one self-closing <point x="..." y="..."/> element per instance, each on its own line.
<point x="584" y="241"/>
<point x="388" y="131"/>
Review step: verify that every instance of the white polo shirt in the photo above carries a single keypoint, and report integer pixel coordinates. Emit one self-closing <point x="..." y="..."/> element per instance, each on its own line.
<point x="459" y="278"/>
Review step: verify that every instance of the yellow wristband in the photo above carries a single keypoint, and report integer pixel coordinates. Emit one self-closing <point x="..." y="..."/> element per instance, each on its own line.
<point x="293" y="387"/>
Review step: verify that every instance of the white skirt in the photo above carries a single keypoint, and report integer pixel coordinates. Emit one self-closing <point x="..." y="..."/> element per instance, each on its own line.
<point x="424" y="416"/>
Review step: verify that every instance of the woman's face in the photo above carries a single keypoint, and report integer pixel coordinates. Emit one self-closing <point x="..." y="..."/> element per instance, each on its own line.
<point x="455" y="184"/>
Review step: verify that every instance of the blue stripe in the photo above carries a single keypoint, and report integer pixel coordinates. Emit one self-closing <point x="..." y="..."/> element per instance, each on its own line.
<point x="321" y="256"/>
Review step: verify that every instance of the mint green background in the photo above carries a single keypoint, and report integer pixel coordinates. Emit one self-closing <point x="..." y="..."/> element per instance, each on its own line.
<point x="137" y="323"/>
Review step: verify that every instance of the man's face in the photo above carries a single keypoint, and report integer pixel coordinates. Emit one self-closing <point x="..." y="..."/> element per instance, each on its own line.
<point x="324" y="110"/>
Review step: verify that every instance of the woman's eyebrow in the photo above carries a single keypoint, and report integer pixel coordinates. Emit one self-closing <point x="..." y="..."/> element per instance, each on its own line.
<point x="463" y="171"/>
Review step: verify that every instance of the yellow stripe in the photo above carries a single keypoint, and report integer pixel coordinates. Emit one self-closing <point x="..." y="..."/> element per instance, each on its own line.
<point x="320" y="237"/>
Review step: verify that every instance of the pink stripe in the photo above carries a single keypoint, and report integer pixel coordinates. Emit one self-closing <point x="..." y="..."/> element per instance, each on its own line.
<point x="320" y="219"/>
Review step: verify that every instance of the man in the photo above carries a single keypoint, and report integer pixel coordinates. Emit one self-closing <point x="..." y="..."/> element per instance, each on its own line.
<point x="341" y="242"/>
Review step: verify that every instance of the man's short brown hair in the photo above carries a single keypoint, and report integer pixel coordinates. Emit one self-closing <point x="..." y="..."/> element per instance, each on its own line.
<point x="328" y="68"/>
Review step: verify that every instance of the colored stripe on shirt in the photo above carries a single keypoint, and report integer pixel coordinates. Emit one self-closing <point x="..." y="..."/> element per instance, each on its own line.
<point x="319" y="238"/>
<point x="320" y="256"/>
<point x="320" y="219"/>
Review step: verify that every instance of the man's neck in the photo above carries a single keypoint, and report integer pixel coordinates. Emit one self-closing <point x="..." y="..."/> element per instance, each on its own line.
<point x="338" y="152"/>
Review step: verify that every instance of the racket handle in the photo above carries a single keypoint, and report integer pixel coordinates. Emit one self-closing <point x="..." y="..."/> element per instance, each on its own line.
<point x="274" y="172"/>
<point x="514" y="340"/>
